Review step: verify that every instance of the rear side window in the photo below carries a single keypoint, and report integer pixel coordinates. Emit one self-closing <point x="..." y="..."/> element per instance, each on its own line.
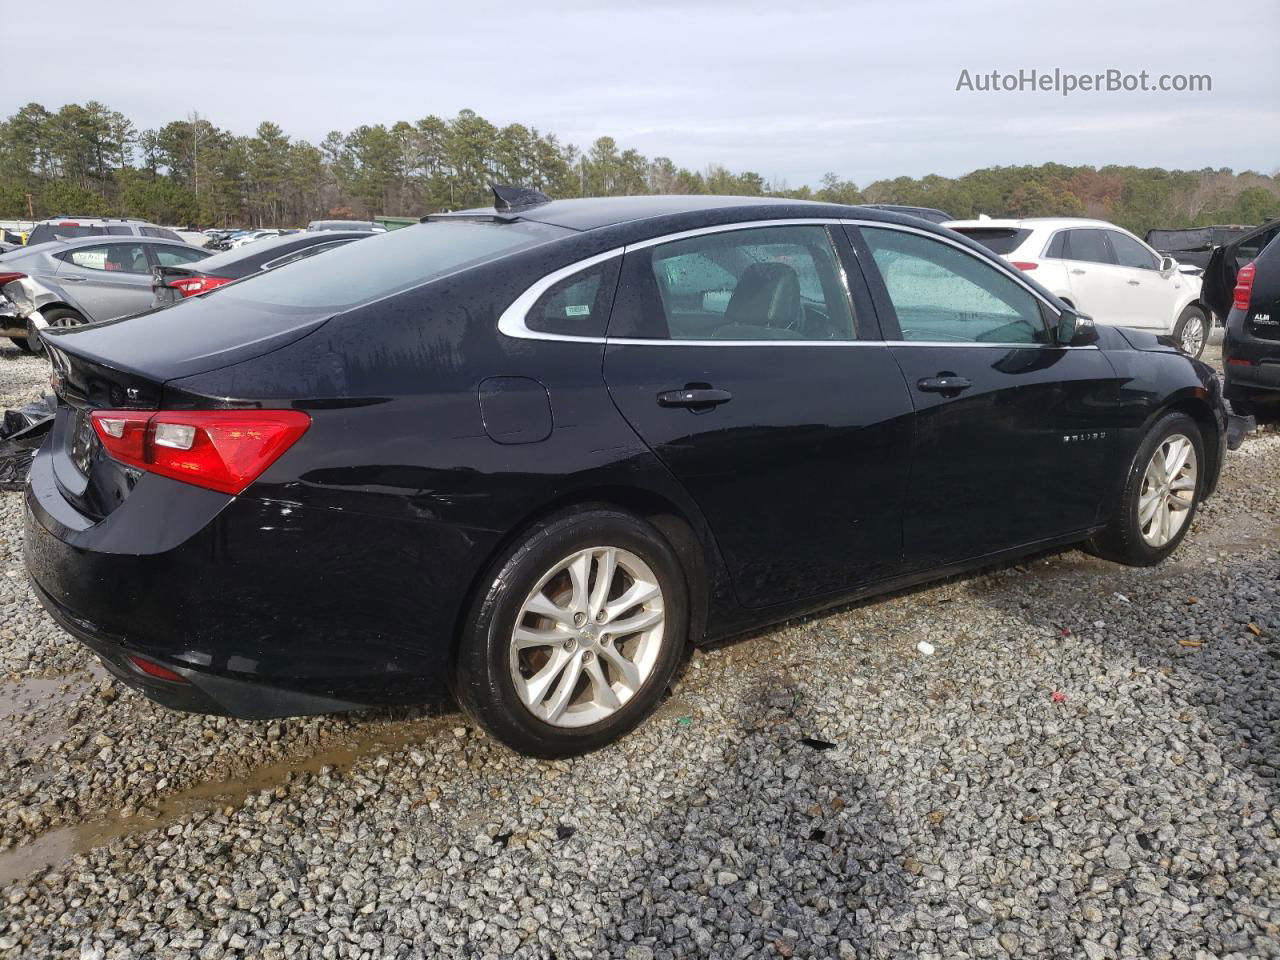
<point x="120" y="231"/>
<point x="943" y="295"/>
<point x="160" y="233"/>
<point x="387" y="263"/>
<point x="1000" y="240"/>
<point x="577" y="306"/>
<point x="1089" y="246"/>
<point x="758" y="283"/>
<point x="110" y="258"/>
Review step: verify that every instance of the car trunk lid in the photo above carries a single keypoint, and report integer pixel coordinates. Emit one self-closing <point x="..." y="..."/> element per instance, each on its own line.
<point x="124" y="365"/>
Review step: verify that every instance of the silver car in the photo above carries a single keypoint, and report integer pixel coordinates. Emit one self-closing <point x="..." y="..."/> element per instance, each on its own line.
<point x="65" y="283"/>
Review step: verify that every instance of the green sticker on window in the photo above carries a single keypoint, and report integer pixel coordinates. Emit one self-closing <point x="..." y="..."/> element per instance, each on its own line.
<point x="577" y="310"/>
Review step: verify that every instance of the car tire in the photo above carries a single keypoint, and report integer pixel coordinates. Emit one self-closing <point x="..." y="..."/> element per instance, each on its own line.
<point x="1155" y="493"/>
<point x="566" y="685"/>
<point x="1193" y="322"/>
<point x="57" y="317"/>
<point x="22" y="343"/>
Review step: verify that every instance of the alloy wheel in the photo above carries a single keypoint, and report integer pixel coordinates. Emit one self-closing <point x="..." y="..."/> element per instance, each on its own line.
<point x="1168" y="490"/>
<point x="587" y="637"/>
<point x="1193" y="336"/>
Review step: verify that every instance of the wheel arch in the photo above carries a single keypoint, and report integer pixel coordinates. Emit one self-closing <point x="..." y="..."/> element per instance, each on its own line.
<point x="1199" y="410"/>
<point x="44" y="308"/>
<point x="687" y="535"/>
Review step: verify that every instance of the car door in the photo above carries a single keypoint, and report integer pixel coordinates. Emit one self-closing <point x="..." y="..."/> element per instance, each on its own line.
<point x="1148" y="297"/>
<point x="1225" y="262"/>
<point x="1098" y="283"/>
<point x="740" y="359"/>
<point x="1014" y="435"/>
<point x="107" y="280"/>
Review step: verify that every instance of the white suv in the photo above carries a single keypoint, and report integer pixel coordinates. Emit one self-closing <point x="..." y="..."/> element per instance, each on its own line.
<point x="1103" y="271"/>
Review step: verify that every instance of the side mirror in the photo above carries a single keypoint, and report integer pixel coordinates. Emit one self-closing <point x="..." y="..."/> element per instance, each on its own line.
<point x="1075" y="330"/>
<point x="1167" y="266"/>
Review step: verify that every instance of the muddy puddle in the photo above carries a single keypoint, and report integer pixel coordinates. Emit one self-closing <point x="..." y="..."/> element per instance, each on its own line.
<point x="60" y="845"/>
<point x="21" y="694"/>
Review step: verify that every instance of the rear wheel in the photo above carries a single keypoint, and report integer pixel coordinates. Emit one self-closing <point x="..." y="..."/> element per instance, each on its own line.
<point x="58" y="317"/>
<point x="1160" y="496"/>
<point x="22" y="343"/>
<point x="576" y="635"/>
<point x="1192" y="331"/>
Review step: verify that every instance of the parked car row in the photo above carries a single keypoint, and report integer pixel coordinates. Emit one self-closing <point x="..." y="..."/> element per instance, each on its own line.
<point x="71" y="282"/>
<point x="528" y="453"/>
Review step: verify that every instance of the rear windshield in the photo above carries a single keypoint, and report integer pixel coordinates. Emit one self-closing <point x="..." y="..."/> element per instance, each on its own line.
<point x="387" y="263"/>
<point x="45" y="232"/>
<point x="1001" y="240"/>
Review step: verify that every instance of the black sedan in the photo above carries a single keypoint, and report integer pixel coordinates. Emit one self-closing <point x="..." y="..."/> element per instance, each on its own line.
<point x="529" y="453"/>
<point x="169" y="284"/>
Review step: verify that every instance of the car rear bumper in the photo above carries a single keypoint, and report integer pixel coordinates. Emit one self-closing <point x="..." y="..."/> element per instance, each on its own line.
<point x="1251" y="364"/>
<point x="220" y="591"/>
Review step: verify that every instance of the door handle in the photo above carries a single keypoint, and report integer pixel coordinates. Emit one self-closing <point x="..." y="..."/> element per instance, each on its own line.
<point x="694" y="397"/>
<point x="950" y="384"/>
<point x="1078" y="271"/>
<point x="1134" y="283"/>
<point x="70" y="279"/>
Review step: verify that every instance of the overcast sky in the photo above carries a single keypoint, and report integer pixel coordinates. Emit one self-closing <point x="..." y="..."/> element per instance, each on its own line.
<point x="787" y="88"/>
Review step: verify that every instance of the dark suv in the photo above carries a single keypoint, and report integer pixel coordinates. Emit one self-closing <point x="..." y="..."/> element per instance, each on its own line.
<point x="67" y="228"/>
<point x="1251" y="344"/>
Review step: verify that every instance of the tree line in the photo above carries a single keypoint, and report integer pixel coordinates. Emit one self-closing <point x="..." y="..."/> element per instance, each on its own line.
<point x="91" y="160"/>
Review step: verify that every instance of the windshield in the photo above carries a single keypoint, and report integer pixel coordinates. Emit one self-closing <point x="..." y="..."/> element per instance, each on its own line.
<point x="387" y="263"/>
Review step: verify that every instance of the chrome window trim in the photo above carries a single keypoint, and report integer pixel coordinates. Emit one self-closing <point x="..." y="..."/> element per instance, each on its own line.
<point x="511" y="323"/>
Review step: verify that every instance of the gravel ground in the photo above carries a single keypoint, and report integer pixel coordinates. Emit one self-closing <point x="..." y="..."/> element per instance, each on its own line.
<point x="1088" y="766"/>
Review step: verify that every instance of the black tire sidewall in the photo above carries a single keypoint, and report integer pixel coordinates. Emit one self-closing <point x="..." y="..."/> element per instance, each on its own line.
<point x="482" y="679"/>
<point x="1130" y="543"/>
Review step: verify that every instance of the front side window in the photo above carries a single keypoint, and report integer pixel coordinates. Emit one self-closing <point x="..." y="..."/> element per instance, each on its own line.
<point x="758" y="283"/>
<point x="1089" y="246"/>
<point x="942" y="294"/>
<point x="577" y="306"/>
<point x="1130" y="253"/>
<point x="111" y="258"/>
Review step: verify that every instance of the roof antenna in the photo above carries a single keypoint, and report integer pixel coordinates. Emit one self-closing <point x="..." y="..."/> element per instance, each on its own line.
<point x="516" y="198"/>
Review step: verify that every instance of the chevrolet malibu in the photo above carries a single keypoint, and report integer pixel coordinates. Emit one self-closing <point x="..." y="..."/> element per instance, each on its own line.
<point x="528" y="454"/>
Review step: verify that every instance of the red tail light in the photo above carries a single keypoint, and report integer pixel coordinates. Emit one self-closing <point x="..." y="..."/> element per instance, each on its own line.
<point x="155" y="670"/>
<point x="1024" y="264"/>
<point x="1243" y="292"/>
<point x="194" y="286"/>
<point x="223" y="450"/>
<point x="10" y="277"/>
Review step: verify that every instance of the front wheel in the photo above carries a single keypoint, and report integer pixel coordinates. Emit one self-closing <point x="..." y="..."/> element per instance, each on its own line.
<point x="575" y="636"/>
<point x="1191" y="332"/>
<point x="1160" y="495"/>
